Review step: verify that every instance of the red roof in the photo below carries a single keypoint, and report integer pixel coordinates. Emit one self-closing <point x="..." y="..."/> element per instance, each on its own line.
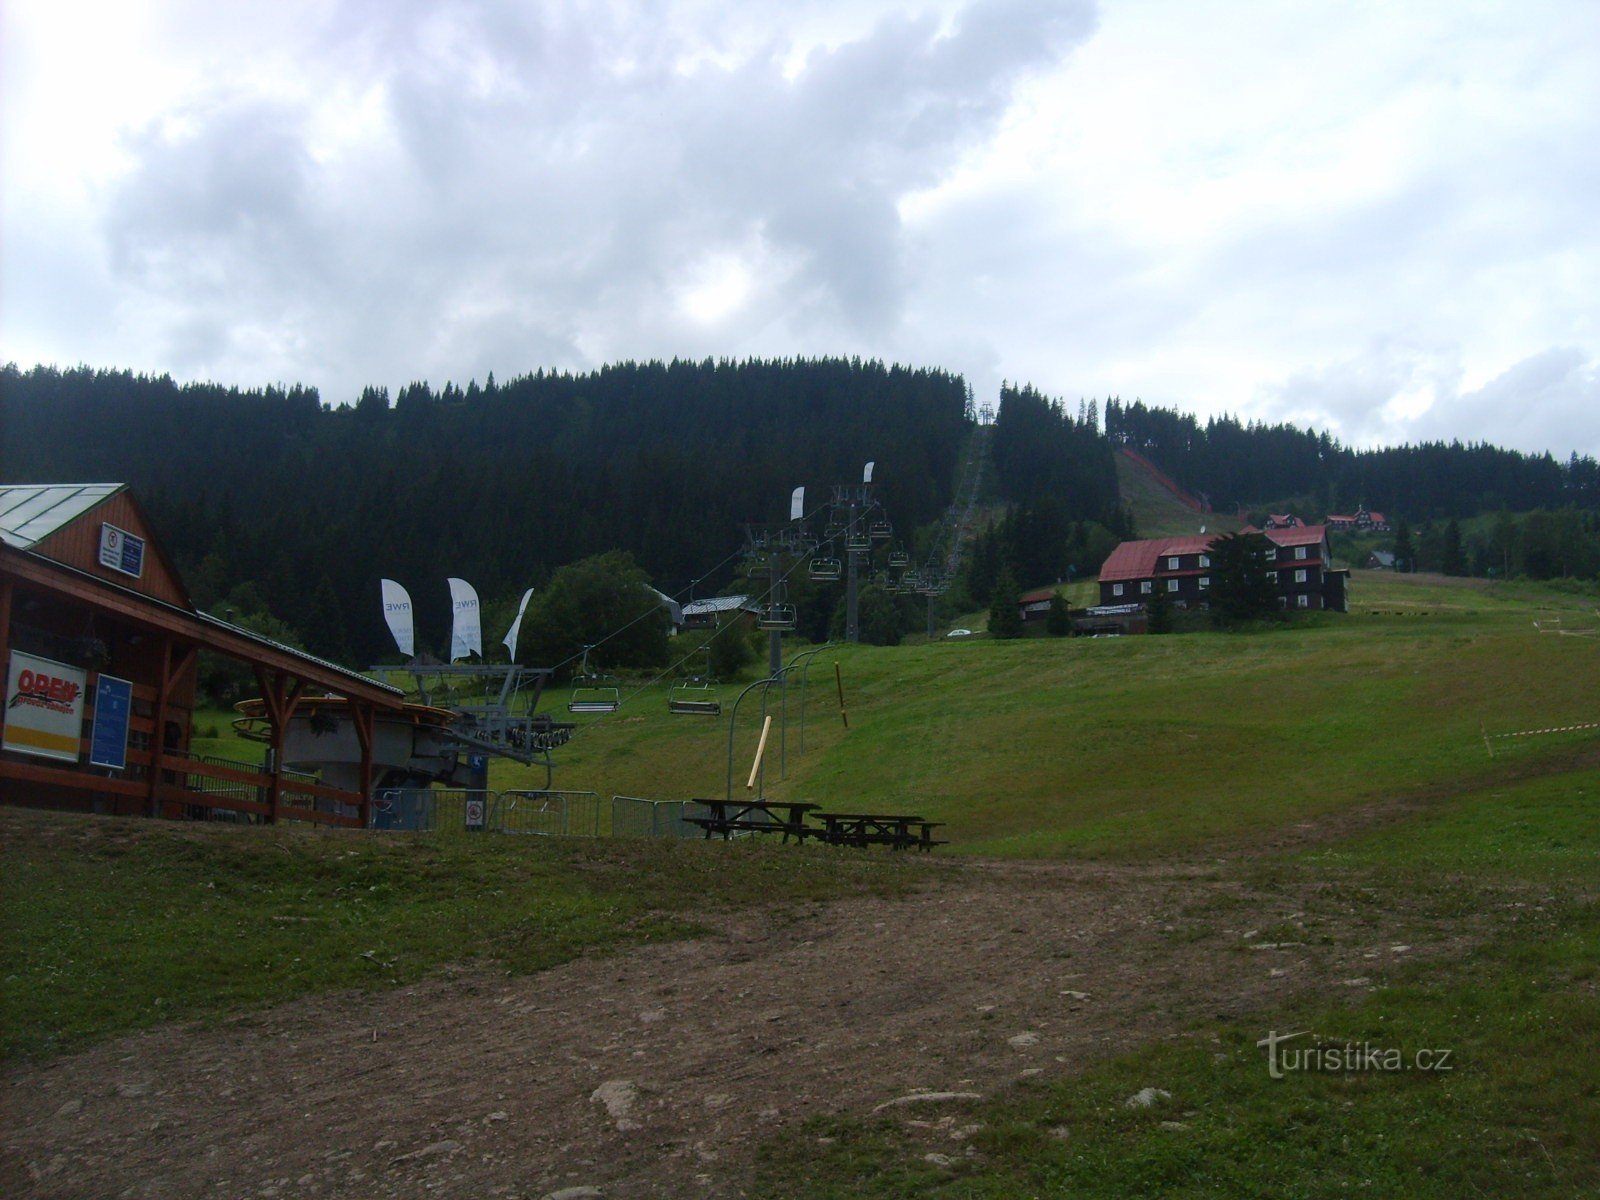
<point x="1037" y="594"/>
<point x="1303" y="535"/>
<point x="1139" y="560"/>
<point x="1142" y="560"/>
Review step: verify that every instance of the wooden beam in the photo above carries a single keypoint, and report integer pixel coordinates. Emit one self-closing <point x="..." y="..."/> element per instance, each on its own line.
<point x="78" y="780"/>
<point x="361" y="715"/>
<point x="158" y="727"/>
<point x="187" y="627"/>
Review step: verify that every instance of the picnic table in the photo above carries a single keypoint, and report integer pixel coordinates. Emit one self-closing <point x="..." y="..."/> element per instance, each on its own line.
<point x="898" y="830"/>
<point x="729" y="817"/>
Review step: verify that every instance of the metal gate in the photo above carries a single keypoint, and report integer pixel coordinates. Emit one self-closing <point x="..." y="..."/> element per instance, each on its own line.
<point x="550" y="813"/>
<point x="633" y="816"/>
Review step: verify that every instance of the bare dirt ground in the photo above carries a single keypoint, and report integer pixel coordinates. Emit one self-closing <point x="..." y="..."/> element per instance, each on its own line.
<point x="658" y="1071"/>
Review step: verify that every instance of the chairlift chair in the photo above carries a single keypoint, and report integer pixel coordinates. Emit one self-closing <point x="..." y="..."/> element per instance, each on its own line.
<point x="899" y="558"/>
<point x="857" y="541"/>
<point x="777" y="618"/>
<point x="880" y="531"/>
<point x="695" y="696"/>
<point x="825" y="570"/>
<point x="593" y="691"/>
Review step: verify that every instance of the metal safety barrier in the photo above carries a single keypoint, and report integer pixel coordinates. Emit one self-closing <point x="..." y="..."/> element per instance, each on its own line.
<point x="466" y="812"/>
<point x="634" y="816"/>
<point x="550" y="813"/>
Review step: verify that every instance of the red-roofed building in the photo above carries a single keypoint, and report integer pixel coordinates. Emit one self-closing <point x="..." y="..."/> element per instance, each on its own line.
<point x="1283" y="521"/>
<point x="1363" y="520"/>
<point x="1181" y="567"/>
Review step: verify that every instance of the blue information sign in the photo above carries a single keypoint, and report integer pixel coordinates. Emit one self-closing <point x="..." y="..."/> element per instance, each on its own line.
<point x="121" y="550"/>
<point x="108" y="736"/>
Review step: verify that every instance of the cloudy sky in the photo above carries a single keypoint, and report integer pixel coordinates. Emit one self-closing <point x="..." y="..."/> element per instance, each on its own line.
<point x="1378" y="218"/>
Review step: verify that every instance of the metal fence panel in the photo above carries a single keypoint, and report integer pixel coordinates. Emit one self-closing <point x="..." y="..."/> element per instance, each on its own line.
<point x="633" y="816"/>
<point x="550" y="813"/>
<point x="465" y="812"/>
<point x="403" y="809"/>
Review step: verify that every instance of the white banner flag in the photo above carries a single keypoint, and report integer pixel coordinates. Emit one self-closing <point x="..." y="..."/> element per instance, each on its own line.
<point x="397" y="612"/>
<point x="510" y="642"/>
<point x="866" y="476"/>
<point x="797" y="504"/>
<point x="466" y="627"/>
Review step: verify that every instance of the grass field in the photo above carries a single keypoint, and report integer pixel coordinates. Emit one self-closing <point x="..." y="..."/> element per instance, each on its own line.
<point x="1506" y="1102"/>
<point x="1145" y="745"/>
<point x="1369" y="726"/>
<point x="111" y="925"/>
<point x="1131" y="746"/>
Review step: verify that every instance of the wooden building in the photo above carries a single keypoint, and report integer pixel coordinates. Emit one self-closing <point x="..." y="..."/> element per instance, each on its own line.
<point x="100" y="641"/>
<point x="1181" y="567"/>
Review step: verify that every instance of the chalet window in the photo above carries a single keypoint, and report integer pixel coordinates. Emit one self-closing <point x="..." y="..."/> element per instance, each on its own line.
<point x="1205" y="582"/>
<point x="1303" y="600"/>
<point x="1172" y="563"/>
<point x="1172" y="585"/>
<point x="1299" y="551"/>
<point x="1205" y="560"/>
<point x="1116" y="589"/>
<point x="1144" y="587"/>
<point x="1300" y="577"/>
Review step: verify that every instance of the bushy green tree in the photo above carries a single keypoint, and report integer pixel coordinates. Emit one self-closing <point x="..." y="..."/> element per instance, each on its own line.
<point x="602" y="601"/>
<point x="223" y="680"/>
<point x="1059" y="621"/>
<point x="1005" y="608"/>
<point x="1158" y="611"/>
<point x="1242" y="586"/>
<point x="881" y="621"/>
<point x="1405" y="553"/>
<point x="731" y="652"/>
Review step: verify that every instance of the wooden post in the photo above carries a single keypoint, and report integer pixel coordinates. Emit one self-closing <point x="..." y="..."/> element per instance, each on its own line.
<point x="280" y="700"/>
<point x="362" y="715"/>
<point x="158" y="726"/>
<point x="839" y="679"/>
<point x="761" y="749"/>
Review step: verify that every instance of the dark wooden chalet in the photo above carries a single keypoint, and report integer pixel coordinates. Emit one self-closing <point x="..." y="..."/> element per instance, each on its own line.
<point x="1181" y="567"/>
<point x="99" y="642"/>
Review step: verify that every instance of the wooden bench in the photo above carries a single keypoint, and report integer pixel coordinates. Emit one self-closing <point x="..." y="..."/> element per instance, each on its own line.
<point x="899" y="831"/>
<point x="729" y="817"/>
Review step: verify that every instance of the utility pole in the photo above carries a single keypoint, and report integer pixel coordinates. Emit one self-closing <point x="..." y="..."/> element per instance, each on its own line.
<point x="852" y="610"/>
<point x="775" y="637"/>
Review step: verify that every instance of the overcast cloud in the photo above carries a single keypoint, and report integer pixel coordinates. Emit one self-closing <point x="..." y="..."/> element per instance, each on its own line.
<point x="1373" y="218"/>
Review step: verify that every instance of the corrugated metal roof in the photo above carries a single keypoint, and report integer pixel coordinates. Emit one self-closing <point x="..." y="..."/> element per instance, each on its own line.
<point x="717" y="604"/>
<point x="31" y="512"/>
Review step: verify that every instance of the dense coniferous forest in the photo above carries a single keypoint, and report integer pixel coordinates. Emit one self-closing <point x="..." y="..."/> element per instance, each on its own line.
<point x="499" y="483"/>
<point x="1237" y="465"/>
<point x="276" y="501"/>
<point x="1064" y="513"/>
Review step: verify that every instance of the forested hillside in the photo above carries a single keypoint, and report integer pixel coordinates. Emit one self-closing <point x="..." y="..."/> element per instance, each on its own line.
<point x="1064" y="511"/>
<point x="1236" y="464"/>
<point x="499" y="483"/>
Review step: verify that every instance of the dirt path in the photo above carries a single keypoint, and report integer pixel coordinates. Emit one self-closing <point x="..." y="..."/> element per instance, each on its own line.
<point x="658" y="1071"/>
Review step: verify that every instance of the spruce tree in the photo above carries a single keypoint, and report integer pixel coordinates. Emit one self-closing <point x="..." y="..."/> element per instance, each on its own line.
<point x="1005" y="609"/>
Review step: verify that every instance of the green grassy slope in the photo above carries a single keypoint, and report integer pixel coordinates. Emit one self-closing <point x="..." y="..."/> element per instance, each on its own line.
<point x="1048" y="747"/>
<point x="1156" y="512"/>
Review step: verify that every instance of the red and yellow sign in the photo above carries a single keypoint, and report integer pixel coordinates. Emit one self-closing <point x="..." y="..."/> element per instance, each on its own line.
<point x="44" y="708"/>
